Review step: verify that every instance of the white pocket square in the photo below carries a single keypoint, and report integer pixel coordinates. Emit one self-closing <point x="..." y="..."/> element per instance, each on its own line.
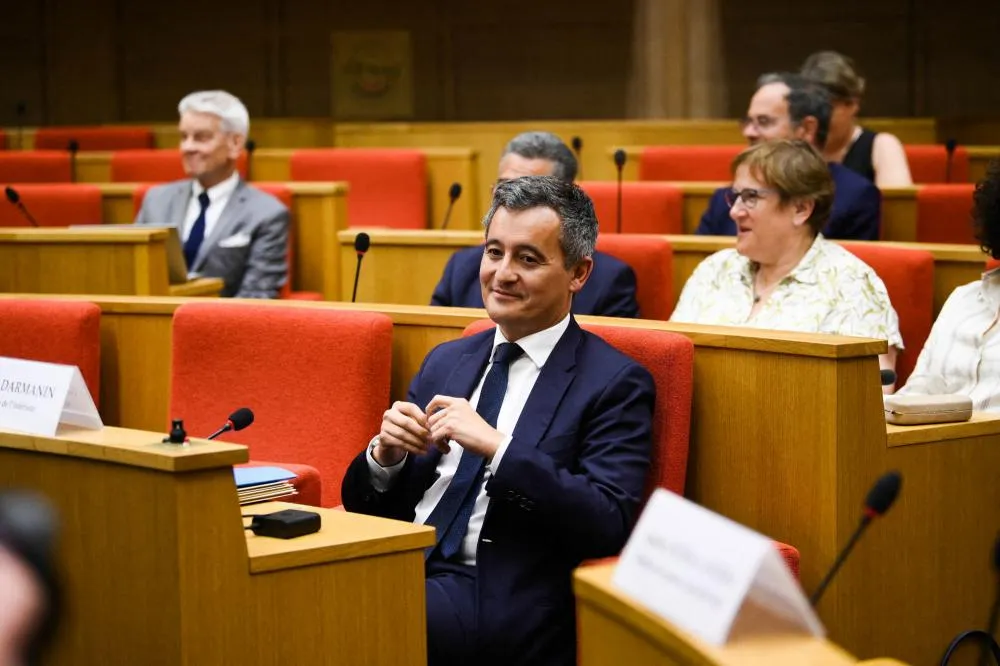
<point x="236" y="240"/>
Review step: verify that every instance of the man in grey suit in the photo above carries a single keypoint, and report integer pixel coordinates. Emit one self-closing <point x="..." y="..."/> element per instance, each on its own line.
<point x="230" y="229"/>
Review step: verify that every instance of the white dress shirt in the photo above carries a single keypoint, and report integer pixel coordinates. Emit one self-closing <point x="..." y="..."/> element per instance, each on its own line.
<point x="523" y="373"/>
<point x="218" y="197"/>
<point x="962" y="352"/>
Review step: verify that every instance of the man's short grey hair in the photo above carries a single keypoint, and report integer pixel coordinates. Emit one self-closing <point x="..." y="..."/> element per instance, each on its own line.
<point x="577" y="219"/>
<point x="545" y="146"/>
<point x="235" y="117"/>
<point x="805" y="98"/>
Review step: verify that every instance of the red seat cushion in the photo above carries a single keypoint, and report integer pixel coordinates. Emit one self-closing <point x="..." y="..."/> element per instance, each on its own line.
<point x="154" y="166"/>
<point x="944" y="214"/>
<point x="688" y="163"/>
<point x="94" y="138"/>
<point x="929" y="164"/>
<point x="35" y="166"/>
<point x="652" y="259"/>
<point x="647" y="208"/>
<point x="58" y="205"/>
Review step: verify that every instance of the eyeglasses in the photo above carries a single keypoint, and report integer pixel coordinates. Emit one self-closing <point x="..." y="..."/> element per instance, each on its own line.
<point x="759" y="122"/>
<point x="749" y="196"/>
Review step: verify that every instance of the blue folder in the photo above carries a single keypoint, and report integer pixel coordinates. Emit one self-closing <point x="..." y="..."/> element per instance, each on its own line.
<point x="256" y="476"/>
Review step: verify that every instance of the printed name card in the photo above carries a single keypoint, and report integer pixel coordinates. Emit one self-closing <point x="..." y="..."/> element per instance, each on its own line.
<point x="36" y="397"/>
<point x="703" y="572"/>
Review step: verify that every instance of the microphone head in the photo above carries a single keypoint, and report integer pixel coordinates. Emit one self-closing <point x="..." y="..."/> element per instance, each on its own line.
<point x="888" y="377"/>
<point x="73" y="145"/>
<point x="250" y="145"/>
<point x="577" y="143"/>
<point x="455" y="191"/>
<point x="950" y="145"/>
<point x="620" y="158"/>
<point x="362" y="242"/>
<point x="883" y="494"/>
<point x="241" y="418"/>
<point x="12" y="195"/>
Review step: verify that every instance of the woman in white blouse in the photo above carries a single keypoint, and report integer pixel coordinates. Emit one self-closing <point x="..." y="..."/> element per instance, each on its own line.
<point x="783" y="274"/>
<point x="962" y="352"/>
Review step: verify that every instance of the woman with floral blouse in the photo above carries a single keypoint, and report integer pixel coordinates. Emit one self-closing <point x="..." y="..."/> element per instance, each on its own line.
<point x="783" y="274"/>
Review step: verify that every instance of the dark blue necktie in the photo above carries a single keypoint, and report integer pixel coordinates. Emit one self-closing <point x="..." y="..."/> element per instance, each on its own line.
<point x="197" y="235"/>
<point x="451" y="515"/>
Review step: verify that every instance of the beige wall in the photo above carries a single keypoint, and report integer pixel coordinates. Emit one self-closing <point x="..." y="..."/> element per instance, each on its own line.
<point x="91" y="61"/>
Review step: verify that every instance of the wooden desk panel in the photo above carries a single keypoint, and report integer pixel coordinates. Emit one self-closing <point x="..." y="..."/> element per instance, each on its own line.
<point x="444" y="167"/>
<point x="319" y="211"/>
<point x="979" y="159"/>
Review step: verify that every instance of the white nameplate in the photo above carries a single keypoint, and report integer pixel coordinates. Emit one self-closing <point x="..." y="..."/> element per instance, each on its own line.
<point x="704" y="573"/>
<point x="36" y="397"/>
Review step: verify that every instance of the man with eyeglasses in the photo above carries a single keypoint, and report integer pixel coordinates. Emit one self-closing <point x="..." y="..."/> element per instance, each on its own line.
<point x="789" y="106"/>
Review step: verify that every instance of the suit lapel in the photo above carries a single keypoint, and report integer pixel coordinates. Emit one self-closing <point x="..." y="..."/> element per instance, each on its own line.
<point x="177" y="205"/>
<point x="222" y="229"/>
<point x="550" y="387"/>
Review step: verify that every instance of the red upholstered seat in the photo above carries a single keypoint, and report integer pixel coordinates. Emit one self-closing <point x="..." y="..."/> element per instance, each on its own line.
<point x="944" y="214"/>
<point x="929" y="164"/>
<point x="669" y="357"/>
<point x="909" y="278"/>
<point x="652" y="259"/>
<point x="688" y="163"/>
<point x="35" y="166"/>
<point x="58" y="205"/>
<point x="647" y="208"/>
<point x="66" y="332"/>
<point x="154" y="166"/>
<point x="388" y="187"/>
<point x="94" y="138"/>
<point x="316" y="379"/>
<point x="4" y="140"/>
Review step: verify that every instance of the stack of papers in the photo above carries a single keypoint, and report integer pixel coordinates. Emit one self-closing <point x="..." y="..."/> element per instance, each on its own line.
<point x="263" y="484"/>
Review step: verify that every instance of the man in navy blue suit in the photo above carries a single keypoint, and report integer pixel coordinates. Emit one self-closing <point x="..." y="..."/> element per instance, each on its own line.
<point x="610" y="291"/>
<point x="526" y="446"/>
<point x="788" y="106"/>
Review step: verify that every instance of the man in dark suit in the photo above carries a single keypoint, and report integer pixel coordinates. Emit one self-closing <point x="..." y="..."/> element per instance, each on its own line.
<point x="610" y="291"/>
<point x="788" y="106"/>
<point x="526" y="446"/>
<point x="230" y="229"/>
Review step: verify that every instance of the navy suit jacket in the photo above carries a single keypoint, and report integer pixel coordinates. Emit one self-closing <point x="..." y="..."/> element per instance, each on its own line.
<point x="609" y="292"/>
<point x="857" y="209"/>
<point x="567" y="489"/>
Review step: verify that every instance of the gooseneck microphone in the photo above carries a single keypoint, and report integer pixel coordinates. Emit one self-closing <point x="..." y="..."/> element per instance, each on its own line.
<point x="879" y="500"/>
<point x="454" y="192"/>
<point x="238" y="420"/>
<point x="888" y="377"/>
<point x="949" y="147"/>
<point x="15" y="199"/>
<point x="577" y="144"/>
<point x="620" y="158"/>
<point x="74" y="147"/>
<point x="250" y="146"/>
<point x="361" y="244"/>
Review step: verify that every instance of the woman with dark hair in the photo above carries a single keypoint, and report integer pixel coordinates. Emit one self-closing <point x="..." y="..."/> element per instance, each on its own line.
<point x="962" y="353"/>
<point x="879" y="157"/>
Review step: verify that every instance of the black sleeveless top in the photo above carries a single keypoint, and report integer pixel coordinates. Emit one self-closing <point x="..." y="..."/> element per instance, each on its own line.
<point x="859" y="156"/>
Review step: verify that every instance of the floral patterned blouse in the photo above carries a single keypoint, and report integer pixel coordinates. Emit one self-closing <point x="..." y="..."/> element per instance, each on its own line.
<point x="830" y="291"/>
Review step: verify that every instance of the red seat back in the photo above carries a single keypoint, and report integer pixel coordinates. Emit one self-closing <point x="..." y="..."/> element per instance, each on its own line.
<point x="94" y="138"/>
<point x="388" y="187"/>
<point x="35" y="166"/>
<point x="652" y="259"/>
<point x="944" y="214"/>
<point x="929" y="164"/>
<point x="58" y="205"/>
<point x="154" y="166"/>
<point x="909" y="278"/>
<point x="669" y="357"/>
<point x="52" y="331"/>
<point x="316" y="379"/>
<point x="688" y="163"/>
<point x="647" y="208"/>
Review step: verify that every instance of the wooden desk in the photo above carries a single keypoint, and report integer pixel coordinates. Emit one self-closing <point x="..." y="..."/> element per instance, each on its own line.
<point x="319" y="211"/>
<point x="130" y="261"/>
<point x="404" y="266"/>
<point x="158" y="570"/>
<point x="444" y="167"/>
<point x="795" y="466"/>
<point x="616" y="629"/>
<point x="979" y="159"/>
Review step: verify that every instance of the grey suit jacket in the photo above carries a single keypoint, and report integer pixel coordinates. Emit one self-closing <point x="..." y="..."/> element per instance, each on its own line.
<point x="248" y="246"/>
